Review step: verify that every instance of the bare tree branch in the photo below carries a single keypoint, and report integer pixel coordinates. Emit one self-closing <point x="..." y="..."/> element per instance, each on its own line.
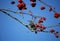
<point x="14" y="18"/>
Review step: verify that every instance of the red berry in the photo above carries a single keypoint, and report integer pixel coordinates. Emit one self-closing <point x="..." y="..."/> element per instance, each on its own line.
<point x="41" y="19"/>
<point x="56" y="34"/>
<point x="50" y="9"/>
<point x="43" y="27"/>
<point x="20" y="1"/>
<point x="56" y="15"/>
<point x="37" y="25"/>
<point x="21" y="6"/>
<point x="33" y="4"/>
<point x="24" y="8"/>
<point x="52" y="30"/>
<point x="42" y="7"/>
<point x="33" y="0"/>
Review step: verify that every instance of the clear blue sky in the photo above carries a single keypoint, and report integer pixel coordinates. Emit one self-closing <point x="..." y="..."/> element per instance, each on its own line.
<point x="11" y="30"/>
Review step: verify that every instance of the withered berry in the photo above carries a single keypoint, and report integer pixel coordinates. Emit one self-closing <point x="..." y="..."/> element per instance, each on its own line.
<point x="33" y="0"/>
<point x="33" y="4"/>
<point x="42" y="7"/>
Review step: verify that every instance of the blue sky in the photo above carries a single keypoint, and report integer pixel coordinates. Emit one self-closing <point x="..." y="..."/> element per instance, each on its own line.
<point x="11" y="30"/>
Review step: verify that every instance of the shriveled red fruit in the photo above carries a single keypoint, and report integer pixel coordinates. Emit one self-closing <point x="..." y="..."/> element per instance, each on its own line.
<point x="33" y="0"/>
<point x="33" y="4"/>
<point x="42" y="7"/>
<point x="13" y="2"/>
<point x="42" y="27"/>
<point x="43" y="18"/>
<point x="52" y="30"/>
<point x="50" y="9"/>
<point x="56" y="15"/>
<point x="56" y="35"/>
<point x="39" y="30"/>
<point x="20" y="1"/>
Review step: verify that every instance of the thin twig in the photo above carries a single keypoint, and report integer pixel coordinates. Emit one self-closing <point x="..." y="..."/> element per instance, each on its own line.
<point x="15" y="18"/>
<point x="53" y="25"/>
<point x="18" y="12"/>
<point x="9" y="10"/>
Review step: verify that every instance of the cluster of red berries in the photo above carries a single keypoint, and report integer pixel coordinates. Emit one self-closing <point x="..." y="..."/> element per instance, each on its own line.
<point x="55" y="33"/>
<point x="41" y="19"/>
<point x="21" y="5"/>
<point x="56" y="15"/>
<point x="43" y="7"/>
<point x="33" y="3"/>
<point x="40" y="27"/>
